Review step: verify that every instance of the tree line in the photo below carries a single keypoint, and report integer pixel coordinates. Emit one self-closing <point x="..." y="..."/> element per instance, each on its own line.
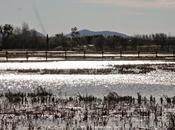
<point x="24" y="38"/>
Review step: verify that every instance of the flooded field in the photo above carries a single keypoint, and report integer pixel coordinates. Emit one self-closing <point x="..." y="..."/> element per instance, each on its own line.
<point x="69" y="78"/>
<point x="87" y="95"/>
<point x="42" y="110"/>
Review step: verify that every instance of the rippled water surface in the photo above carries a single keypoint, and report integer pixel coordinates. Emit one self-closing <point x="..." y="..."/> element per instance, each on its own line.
<point x="73" y="64"/>
<point x="157" y="83"/>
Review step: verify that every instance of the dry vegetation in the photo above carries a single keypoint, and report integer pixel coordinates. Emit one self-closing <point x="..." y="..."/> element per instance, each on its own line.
<point x="41" y="110"/>
<point x="116" y="69"/>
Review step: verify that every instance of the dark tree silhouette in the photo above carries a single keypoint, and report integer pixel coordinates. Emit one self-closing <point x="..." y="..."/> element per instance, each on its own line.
<point x="5" y="32"/>
<point x="74" y="32"/>
<point x="25" y="38"/>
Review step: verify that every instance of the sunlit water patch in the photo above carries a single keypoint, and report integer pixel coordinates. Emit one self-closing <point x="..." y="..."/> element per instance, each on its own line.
<point x="73" y="64"/>
<point x="155" y="83"/>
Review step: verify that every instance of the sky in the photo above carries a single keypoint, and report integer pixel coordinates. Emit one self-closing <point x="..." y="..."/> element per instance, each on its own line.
<point x="59" y="16"/>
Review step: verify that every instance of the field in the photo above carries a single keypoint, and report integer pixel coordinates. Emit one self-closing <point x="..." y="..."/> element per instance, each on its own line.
<point x="87" y="95"/>
<point x="43" y="110"/>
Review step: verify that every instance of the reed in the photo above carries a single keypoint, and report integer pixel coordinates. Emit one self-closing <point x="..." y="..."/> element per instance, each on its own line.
<point x="33" y="110"/>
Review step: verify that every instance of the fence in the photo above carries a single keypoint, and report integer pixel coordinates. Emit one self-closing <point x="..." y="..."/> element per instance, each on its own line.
<point x="65" y="55"/>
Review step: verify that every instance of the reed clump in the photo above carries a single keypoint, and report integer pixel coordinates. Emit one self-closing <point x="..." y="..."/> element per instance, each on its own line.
<point x="32" y="110"/>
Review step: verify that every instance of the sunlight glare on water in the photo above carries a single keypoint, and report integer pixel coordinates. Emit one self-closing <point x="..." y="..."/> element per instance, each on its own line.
<point x="73" y="64"/>
<point x="156" y="83"/>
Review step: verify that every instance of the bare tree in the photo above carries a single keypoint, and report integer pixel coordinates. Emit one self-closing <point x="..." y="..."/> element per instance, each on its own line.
<point x="5" y="32"/>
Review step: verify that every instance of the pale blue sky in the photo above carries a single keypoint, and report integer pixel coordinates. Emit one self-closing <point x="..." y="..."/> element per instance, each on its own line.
<point x="127" y="16"/>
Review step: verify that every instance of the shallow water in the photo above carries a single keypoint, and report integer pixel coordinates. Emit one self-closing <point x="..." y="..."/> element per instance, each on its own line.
<point x="74" y="64"/>
<point x="155" y="83"/>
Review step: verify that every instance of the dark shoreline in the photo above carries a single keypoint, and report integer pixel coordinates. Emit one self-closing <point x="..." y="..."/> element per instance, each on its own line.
<point x="116" y="69"/>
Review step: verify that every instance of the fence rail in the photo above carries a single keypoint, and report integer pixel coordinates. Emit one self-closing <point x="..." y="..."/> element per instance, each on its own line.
<point x="64" y="55"/>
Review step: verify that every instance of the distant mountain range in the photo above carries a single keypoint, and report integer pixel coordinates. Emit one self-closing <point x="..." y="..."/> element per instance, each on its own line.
<point x="85" y="32"/>
<point x="103" y="33"/>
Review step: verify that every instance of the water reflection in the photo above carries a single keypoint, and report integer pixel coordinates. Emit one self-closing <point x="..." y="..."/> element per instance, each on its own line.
<point x="157" y="83"/>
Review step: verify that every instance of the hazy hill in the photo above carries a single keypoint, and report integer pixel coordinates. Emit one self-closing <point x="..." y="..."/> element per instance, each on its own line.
<point x="38" y="34"/>
<point x="95" y="33"/>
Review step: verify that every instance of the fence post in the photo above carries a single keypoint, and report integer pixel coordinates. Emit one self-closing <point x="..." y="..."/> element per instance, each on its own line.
<point x="46" y="55"/>
<point x="27" y="55"/>
<point x="84" y="54"/>
<point x="65" y="54"/>
<point x="120" y="53"/>
<point x="102" y="54"/>
<point x="47" y="45"/>
<point x="138" y="54"/>
<point x="6" y="53"/>
<point x="47" y="42"/>
<point x="156" y="54"/>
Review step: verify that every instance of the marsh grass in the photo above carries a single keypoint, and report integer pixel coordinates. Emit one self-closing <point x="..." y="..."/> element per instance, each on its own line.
<point x="116" y="69"/>
<point x="32" y="111"/>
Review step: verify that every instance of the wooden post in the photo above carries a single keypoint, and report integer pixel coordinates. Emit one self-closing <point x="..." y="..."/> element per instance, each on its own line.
<point x="120" y="53"/>
<point x="47" y="42"/>
<point x="6" y="53"/>
<point x="46" y="55"/>
<point x="84" y="54"/>
<point x="102" y="53"/>
<point x="27" y="56"/>
<point x="65" y="54"/>
<point x="138" y="54"/>
<point x="47" y="46"/>
<point x="156" y="54"/>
